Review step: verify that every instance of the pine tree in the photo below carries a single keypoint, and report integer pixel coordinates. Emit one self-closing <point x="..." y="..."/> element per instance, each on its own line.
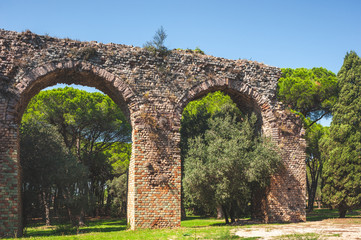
<point x="342" y="171"/>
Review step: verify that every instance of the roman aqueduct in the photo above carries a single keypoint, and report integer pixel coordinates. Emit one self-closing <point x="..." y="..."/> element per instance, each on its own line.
<point x="152" y="90"/>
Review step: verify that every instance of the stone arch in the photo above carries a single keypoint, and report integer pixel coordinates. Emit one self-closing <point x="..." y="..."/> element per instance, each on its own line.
<point x="72" y="72"/>
<point x="247" y="99"/>
<point x="284" y="200"/>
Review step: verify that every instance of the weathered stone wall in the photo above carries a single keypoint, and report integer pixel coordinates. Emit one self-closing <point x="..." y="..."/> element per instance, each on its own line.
<point x="10" y="202"/>
<point x="152" y="90"/>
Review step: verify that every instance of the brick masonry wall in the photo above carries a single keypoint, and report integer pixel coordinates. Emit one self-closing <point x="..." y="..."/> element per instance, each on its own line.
<point x="152" y="90"/>
<point x="10" y="202"/>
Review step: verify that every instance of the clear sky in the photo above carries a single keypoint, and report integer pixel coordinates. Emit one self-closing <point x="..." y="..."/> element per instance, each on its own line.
<point x="287" y="33"/>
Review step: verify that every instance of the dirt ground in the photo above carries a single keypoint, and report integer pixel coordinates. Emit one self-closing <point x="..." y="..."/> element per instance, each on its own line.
<point x="349" y="228"/>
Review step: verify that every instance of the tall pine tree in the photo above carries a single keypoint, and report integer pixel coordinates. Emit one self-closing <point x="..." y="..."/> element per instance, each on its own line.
<point x="342" y="172"/>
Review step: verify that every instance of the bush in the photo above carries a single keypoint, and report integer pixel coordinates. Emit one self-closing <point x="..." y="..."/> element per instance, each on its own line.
<point x="157" y="44"/>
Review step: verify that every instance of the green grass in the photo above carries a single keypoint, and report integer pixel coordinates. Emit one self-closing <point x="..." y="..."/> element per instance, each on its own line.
<point x="196" y="221"/>
<point x="322" y="214"/>
<point x="104" y="225"/>
<point x="193" y="227"/>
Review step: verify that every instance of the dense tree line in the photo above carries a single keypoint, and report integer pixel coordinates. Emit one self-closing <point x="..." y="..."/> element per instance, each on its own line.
<point x="75" y="151"/>
<point x="342" y="147"/>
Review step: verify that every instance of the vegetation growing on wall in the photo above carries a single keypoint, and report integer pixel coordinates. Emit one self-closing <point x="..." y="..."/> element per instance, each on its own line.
<point x="157" y="44"/>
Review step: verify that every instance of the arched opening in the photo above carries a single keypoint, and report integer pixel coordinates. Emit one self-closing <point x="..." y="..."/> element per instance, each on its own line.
<point x="90" y="156"/>
<point x="217" y="124"/>
<point x="107" y="85"/>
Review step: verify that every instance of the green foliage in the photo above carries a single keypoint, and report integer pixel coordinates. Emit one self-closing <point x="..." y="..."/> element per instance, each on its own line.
<point x="157" y="44"/>
<point x="78" y="115"/>
<point x="196" y="50"/>
<point x="47" y="167"/>
<point x="118" y="192"/>
<point x="312" y="92"/>
<point x="41" y="151"/>
<point x="314" y="160"/>
<point x="118" y="155"/>
<point x="225" y="159"/>
<point x="196" y="114"/>
<point x="342" y="173"/>
<point x="90" y="133"/>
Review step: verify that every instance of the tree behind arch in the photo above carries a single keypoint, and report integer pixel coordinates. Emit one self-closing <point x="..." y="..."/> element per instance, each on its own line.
<point x="88" y="124"/>
<point x="226" y="164"/>
<point x="342" y="171"/>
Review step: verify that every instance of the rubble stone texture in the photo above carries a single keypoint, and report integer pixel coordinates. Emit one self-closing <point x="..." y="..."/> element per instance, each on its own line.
<point x="152" y="90"/>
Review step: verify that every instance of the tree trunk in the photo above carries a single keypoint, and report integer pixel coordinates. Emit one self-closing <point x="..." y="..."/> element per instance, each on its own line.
<point x="81" y="222"/>
<point x="124" y="207"/>
<point x="225" y="214"/>
<point x="109" y="201"/>
<point x="71" y="217"/>
<point x="231" y="213"/>
<point x="220" y="214"/>
<point x="342" y="212"/>
<point x="183" y="212"/>
<point x="311" y="196"/>
<point x="312" y="188"/>
<point x="70" y="213"/>
<point x="46" y="208"/>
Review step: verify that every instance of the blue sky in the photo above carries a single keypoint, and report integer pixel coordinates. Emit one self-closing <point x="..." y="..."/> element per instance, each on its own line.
<point x="285" y="33"/>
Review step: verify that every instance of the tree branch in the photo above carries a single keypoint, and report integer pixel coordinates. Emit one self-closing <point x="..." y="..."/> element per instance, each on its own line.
<point x="317" y="119"/>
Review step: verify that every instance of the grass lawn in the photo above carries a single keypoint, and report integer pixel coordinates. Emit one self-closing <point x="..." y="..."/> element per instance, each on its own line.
<point x="192" y="228"/>
<point x="322" y="214"/>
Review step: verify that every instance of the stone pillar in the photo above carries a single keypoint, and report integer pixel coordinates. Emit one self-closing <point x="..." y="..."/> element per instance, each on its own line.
<point x="10" y="189"/>
<point x="286" y="199"/>
<point x="154" y="185"/>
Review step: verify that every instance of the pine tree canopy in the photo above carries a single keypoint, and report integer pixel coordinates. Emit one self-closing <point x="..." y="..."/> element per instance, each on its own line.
<point x="343" y="168"/>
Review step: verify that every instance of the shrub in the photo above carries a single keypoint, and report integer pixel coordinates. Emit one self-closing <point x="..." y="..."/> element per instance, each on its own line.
<point x="157" y="44"/>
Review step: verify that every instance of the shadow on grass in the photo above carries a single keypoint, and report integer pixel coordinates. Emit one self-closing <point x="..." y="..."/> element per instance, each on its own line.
<point x="323" y="214"/>
<point x="195" y="218"/>
<point x="198" y="222"/>
<point x="101" y="225"/>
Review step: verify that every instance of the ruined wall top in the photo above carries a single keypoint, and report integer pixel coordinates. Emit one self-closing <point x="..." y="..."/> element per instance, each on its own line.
<point x="148" y="74"/>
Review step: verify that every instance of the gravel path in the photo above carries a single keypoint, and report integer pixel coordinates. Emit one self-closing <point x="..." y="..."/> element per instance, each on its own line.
<point x="327" y="229"/>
